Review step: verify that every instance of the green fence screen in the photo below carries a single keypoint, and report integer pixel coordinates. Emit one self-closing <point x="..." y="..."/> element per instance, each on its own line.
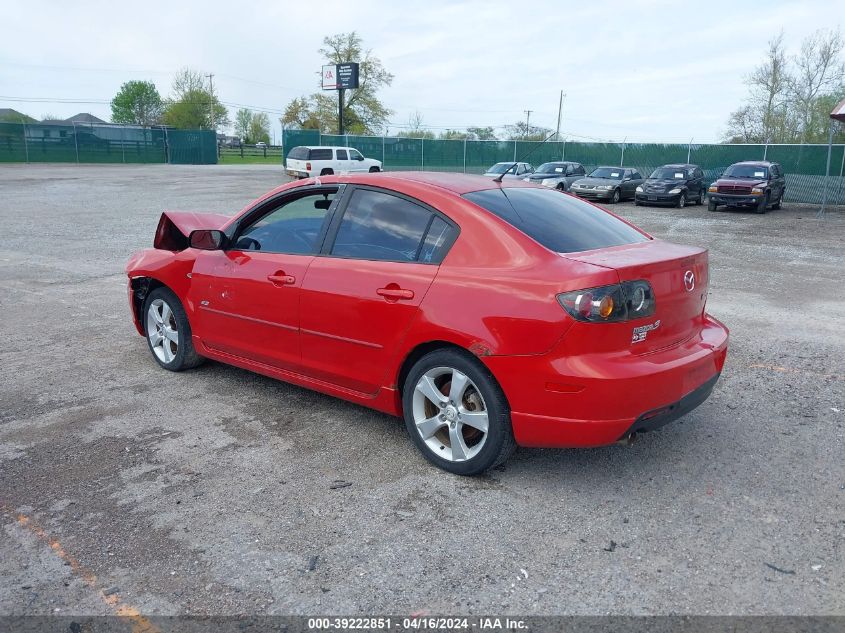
<point x="60" y="142"/>
<point x="804" y="165"/>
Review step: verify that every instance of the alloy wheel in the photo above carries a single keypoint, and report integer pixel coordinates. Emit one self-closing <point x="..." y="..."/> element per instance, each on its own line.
<point x="450" y="414"/>
<point x="162" y="331"/>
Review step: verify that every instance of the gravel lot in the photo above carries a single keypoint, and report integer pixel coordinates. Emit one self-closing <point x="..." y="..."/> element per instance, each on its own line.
<point x="123" y="486"/>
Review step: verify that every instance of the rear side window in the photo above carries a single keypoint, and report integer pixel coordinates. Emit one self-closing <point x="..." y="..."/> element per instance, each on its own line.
<point x="437" y="241"/>
<point x="298" y="153"/>
<point x="341" y="154"/>
<point x="382" y="227"/>
<point x="561" y="223"/>
<point x="320" y="154"/>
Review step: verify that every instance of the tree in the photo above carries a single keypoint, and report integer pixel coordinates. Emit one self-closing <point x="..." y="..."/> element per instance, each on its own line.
<point x="363" y="112"/>
<point x="13" y="116"/>
<point x="454" y="135"/>
<point x="137" y="102"/>
<point x="818" y="71"/>
<point x="522" y="131"/>
<point x="788" y="97"/>
<point x="243" y="118"/>
<point x="192" y="104"/>
<point x="416" y="128"/>
<point x="193" y="111"/>
<point x="259" y="128"/>
<point x="481" y="134"/>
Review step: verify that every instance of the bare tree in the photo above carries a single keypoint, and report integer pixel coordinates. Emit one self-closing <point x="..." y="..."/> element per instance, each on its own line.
<point x="768" y="84"/>
<point x="818" y="70"/>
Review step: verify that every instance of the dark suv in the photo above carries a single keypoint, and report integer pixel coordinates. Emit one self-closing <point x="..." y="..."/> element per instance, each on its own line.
<point x="675" y="185"/>
<point x="757" y="184"/>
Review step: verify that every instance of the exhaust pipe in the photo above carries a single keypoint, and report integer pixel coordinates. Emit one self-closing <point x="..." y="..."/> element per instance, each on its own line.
<point x="627" y="440"/>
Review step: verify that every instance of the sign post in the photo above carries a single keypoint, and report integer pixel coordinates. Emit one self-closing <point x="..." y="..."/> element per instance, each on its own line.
<point x="340" y="77"/>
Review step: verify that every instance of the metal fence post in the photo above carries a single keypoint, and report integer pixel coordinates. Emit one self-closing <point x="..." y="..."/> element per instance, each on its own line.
<point x="765" y="150"/>
<point x="827" y="169"/>
<point x="25" y="144"/>
<point x="382" y="152"/>
<point x="123" y="142"/>
<point x="563" y="151"/>
<point x="422" y="154"/>
<point x="622" y="159"/>
<point x="75" y="142"/>
<point x="689" y="150"/>
<point x="465" y="154"/>
<point x="514" y="150"/>
<point x="166" y="147"/>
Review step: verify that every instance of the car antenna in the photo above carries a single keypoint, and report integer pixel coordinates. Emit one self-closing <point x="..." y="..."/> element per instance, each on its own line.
<point x="521" y="158"/>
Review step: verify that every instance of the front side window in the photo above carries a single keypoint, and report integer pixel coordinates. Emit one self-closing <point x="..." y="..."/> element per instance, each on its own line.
<point x="293" y="226"/>
<point x="563" y="224"/>
<point x="354" y="154"/>
<point x="382" y="227"/>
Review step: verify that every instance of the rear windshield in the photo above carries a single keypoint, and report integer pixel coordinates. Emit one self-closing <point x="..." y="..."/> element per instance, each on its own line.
<point x="298" y="153"/>
<point x="559" y="222"/>
<point x="320" y="154"/>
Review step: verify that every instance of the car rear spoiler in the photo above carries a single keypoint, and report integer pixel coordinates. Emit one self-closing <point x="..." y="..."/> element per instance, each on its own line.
<point x="174" y="227"/>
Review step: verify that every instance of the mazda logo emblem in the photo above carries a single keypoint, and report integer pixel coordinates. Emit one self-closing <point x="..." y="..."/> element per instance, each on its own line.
<point x="689" y="280"/>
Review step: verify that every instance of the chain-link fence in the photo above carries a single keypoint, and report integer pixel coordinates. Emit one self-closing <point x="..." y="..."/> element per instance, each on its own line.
<point x="804" y="165"/>
<point x="63" y="142"/>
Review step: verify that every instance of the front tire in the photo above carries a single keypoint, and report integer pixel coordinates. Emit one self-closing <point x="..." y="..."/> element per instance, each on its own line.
<point x="764" y="204"/>
<point x="168" y="331"/>
<point x="700" y="199"/>
<point x="617" y="196"/>
<point x="682" y="200"/>
<point x="456" y="414"/>
<point x="374" y="170"/>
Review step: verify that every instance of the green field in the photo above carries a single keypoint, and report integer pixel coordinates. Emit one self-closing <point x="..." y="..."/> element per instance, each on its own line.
<point x="251" y="156"/>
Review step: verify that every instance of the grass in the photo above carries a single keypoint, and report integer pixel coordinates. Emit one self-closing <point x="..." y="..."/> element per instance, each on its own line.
<point x="232" y="156"/>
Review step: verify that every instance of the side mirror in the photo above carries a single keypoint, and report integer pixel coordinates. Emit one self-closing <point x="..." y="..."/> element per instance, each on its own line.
<point x="360" y="157"/>
<point x="627" y="178"/>
<point x="207" y="240"/>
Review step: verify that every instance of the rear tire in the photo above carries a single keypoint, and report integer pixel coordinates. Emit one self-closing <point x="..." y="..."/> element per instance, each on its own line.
<point x="700" y="199"/>
<point x="168" y="331"/>
<point x="777" y="205"/>
<point x="327" y="172"/>
<point x="446" y="397"/>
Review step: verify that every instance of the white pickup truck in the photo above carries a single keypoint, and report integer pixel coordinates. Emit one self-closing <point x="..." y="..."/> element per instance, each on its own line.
<point x="306" y="162"/>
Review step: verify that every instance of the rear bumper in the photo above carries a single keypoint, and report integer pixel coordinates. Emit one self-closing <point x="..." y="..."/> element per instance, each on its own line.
<point x="296" y="173"/>
<point x="597" y="400"/>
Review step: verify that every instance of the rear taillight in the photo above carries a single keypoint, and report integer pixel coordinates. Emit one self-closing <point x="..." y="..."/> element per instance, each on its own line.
<point x="307" y="166"/>
<point x="619" y="302"/>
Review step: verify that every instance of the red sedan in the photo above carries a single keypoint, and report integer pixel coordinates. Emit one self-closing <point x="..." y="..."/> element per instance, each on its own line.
<point x="486" y="314"/>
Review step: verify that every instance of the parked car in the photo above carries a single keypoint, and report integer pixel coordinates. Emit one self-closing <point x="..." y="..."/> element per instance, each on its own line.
<point x="608" y="183"/>
<point x="675" y="184"/>
<point x="756" y="184"/>
<point x="510" y="169"/>
<point x="557" y="175"/>
<point x="260" y="145"/>
<point x="306" y="162"/>
<point x="443" y="299"/>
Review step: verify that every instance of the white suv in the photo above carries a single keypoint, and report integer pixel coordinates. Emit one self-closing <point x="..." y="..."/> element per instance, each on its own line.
<point x="306" y="162"/>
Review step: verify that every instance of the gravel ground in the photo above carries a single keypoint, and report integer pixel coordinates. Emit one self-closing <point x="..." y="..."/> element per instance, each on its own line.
<point x="123" y="486"/>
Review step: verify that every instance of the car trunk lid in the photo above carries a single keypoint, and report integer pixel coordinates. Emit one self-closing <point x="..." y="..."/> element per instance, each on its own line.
<point x="678" y="276"/>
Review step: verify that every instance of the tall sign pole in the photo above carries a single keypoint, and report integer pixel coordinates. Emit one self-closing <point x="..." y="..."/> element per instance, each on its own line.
<point x="340" y="77"/>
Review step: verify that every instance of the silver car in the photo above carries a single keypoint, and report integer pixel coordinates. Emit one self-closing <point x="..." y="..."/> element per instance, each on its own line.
<point x="557" y="175"/>
<point x="510" y="169"/>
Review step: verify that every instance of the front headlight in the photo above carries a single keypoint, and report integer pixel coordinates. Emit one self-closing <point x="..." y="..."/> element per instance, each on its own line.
<point x="675" y="190"/>
<point x="756" y="191"/>
<point x="605" y="187"/>
<point x="712" y="189"/>
<point x="549" y="182"/>
<point x="639" y="188"/>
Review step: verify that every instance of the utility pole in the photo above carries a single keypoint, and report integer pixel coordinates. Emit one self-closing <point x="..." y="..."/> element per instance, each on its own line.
<point x="340" y="111"/>
<point x="527" y="120"/>
<point x="211" y="98"/>
<point x="559" y="114"/>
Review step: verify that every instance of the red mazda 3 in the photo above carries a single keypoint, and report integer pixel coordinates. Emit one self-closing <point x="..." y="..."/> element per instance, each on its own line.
<point x="486" y="314"/>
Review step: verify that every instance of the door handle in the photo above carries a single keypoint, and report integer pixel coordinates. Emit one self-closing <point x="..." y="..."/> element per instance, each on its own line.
<point x="392" y="292"/>
<point x="279" y="278"/>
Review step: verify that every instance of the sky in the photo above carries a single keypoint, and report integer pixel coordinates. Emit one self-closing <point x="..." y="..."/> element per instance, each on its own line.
<point x="653" y="70"/>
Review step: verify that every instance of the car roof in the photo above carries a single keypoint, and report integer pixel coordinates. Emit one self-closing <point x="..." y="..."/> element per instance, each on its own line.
<point x="761" y="163"/>
<point x="456" y="183"/>
<point x="684" y="165"/>
<point x="327" y="147"/>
